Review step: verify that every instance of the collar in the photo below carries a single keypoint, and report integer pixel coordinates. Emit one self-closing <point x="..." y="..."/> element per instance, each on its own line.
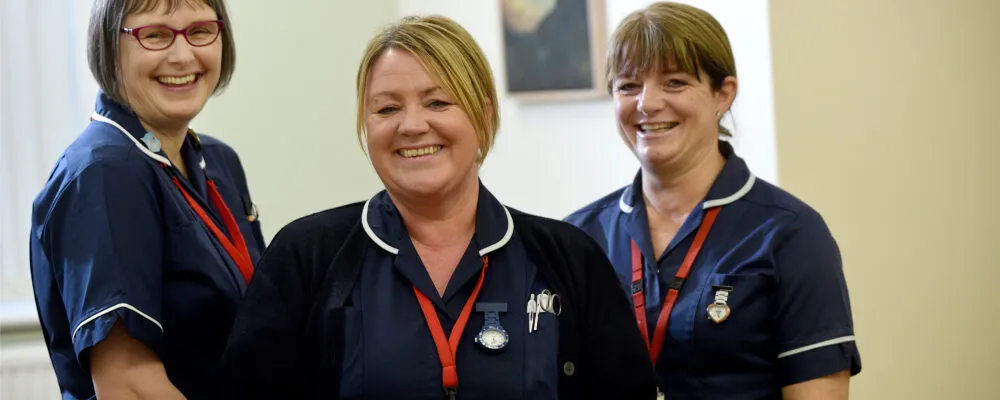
<point x="383" y="224"/>
<point x="108" y="111"/>
<point x="734" y="182"/>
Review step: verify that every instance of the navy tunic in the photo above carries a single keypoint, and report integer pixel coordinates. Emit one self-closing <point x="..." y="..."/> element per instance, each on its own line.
<point x="389" y="351"/>
<point x="790" y="315"/>
<point x="114" y="240"/>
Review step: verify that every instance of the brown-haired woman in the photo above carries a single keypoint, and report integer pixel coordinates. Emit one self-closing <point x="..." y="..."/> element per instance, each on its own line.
<point x="736" y="285"/>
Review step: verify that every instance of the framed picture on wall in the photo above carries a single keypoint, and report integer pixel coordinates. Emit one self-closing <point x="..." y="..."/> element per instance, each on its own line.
<point x="554" y="49"/>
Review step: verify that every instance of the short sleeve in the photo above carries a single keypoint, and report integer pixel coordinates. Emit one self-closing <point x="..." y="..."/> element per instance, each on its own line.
<point x="104" y="237"/>
<point x="815" y="331"/>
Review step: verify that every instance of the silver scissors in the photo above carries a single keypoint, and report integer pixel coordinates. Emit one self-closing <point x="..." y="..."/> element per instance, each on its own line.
<point x="550" y="302"/>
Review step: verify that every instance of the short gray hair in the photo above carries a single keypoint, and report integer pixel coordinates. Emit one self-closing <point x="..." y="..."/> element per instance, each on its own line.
<point x="104" y="39"/>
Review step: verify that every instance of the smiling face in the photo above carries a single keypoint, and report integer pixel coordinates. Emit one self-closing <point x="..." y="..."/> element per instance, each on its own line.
<point x="421" y="143"/>
<point x="670" y="118"/>
<point x="168" y="88"/>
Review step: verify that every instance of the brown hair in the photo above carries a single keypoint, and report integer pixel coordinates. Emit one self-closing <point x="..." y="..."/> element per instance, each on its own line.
<point x="104" y="39"/>
<point x="665" y="32"/>
<point x="452" y="57"/>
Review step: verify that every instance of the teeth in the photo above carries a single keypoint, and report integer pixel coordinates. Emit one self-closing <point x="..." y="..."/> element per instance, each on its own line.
<point x="654" y="127"/>
<point x="409" y="153"/>
<point x="177" y="80"/>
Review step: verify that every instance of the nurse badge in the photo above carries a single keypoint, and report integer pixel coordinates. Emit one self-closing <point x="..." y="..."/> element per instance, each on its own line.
<point x="493" y="337"/>
<point x="719" y="310"/>
<point x="151" y="142"/>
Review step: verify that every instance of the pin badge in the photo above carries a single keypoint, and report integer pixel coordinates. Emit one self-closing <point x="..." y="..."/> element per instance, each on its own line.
<point x="719" y="310"/>
<point x="532" y="313"/>
<point x="493" y="337"/>
<point x="151" y="142"/>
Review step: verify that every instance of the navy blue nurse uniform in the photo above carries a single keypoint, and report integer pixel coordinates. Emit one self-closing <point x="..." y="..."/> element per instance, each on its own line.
<point x="114" y="240"/>
<point x="389" y="351"/>
<point x="769" y="257"/>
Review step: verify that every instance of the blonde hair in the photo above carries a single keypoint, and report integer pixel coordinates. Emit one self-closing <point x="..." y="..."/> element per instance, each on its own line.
<point x="452" y="57"/>
<point x="650" y="38"/>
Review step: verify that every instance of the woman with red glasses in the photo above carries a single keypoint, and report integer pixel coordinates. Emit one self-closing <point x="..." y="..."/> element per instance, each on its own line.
<point x="144" y="238"/>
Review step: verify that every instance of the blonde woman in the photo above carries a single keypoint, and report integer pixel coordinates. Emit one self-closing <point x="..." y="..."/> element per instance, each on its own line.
<point x="433" y="288"/>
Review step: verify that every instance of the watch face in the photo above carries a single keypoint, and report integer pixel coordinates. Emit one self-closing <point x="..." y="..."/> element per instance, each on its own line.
<point x="493" y="338"/>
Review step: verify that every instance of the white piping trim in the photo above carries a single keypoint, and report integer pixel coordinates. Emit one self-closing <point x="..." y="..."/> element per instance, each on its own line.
<point x="735" y="196"/>
<point x="623" y="205"/>
<point x="814" y="346"/>
<point x="108" y="310"/>
<point x="506" y="236"/>
<point x="371" y="234"/>
<point x="157" y="157"/>
<point x="144" y="149"/>
<point x="482" y="252"/>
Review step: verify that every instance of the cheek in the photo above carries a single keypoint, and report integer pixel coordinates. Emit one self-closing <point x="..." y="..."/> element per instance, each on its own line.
<point x="211" y="58"/>
<point x="623" y="109"/>
<point x="379" y="136"/>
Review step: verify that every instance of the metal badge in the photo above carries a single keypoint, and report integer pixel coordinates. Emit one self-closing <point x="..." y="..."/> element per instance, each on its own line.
<point x="719" y="311"/>
<point x="492" y="337"/>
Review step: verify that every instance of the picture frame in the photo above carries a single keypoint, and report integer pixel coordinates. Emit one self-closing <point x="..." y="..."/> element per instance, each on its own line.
<point x="554" y="50"/>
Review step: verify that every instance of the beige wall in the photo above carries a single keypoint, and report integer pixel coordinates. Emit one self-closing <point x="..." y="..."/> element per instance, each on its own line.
<point x="883" y="112"/>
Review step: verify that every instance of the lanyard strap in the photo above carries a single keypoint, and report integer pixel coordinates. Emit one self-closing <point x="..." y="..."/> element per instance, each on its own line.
<point x="639" y="298"/>
<point x="447" y="349"/>
<point x="238" y="251"/>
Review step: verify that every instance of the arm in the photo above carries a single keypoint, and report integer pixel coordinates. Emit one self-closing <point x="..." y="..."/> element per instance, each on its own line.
<point x="817" y="353"/>
<point x="125" y="369"/>
<point x="830" y="387"/>
<point x="104" y="238"/>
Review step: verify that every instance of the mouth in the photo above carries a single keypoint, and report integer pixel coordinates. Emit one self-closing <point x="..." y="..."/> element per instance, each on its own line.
<point x="419" y="152"/>
<point x="656" y="128"/>
<point x="179" y="81"/>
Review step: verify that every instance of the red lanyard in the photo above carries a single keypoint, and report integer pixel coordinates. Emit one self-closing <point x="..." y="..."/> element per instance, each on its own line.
<point x="238" y="252"/>
<point x="448" y="348"/>
<point x="639" y="298"/>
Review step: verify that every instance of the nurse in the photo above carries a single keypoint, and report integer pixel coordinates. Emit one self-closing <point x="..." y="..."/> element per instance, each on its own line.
<point x="736" y="285"/>
<point x="145" y="235"/>
<point x="433" y="288"/>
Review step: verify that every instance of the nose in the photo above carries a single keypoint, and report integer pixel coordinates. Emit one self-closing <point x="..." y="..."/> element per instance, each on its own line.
<point x="414" y="122"/>
<point x="650" y="100"/>
<point x="180" y="51"/>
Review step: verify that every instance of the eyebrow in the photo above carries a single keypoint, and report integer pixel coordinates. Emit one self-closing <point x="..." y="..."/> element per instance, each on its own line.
<point x="392" y="94"/>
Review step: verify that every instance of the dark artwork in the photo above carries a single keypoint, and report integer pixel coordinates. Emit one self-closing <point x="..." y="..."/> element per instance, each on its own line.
<point x="551" y="55"/>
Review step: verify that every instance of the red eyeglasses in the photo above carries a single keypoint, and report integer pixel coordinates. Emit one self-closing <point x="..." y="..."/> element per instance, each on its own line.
<point x="159" y="37"/>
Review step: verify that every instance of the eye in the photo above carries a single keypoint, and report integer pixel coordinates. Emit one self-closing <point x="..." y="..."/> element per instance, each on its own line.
<point x="627" y="87"/>
<point x="387" y="110"/>
<point x="438" y="104"/>
<point x="676" y="83"/>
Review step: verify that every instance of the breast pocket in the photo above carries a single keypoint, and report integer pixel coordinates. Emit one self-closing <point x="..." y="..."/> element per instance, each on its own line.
<point x="733" y="316"/>
<point x="541" y="355"/>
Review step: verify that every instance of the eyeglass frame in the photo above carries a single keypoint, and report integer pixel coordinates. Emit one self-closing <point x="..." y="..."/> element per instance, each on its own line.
<point x="134" y="32"/>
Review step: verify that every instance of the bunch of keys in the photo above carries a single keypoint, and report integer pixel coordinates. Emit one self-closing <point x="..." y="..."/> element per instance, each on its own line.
<point x="545" y="302"/>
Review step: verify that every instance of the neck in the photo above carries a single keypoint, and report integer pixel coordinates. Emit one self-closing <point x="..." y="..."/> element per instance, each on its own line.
<point x="675" y="192"/>
<point x="171" y="140"/>
<point x="441" y="222"/>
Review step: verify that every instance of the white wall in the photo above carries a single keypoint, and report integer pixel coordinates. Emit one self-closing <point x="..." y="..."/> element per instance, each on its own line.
<point x="553" y="158"/>
<point x="290" y="109"/>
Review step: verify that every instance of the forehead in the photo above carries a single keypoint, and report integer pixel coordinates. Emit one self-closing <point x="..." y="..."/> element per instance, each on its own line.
<point x="398" y="70"/>
<point x="142" y="12"/>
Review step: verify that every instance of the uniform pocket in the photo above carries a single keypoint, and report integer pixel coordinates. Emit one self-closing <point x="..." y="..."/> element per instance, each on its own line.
<point x="541" y="358"/>
<point x="746" y="321"/>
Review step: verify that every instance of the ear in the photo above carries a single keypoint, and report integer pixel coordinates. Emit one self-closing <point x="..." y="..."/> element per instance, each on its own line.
<point x="726" y="94"/>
